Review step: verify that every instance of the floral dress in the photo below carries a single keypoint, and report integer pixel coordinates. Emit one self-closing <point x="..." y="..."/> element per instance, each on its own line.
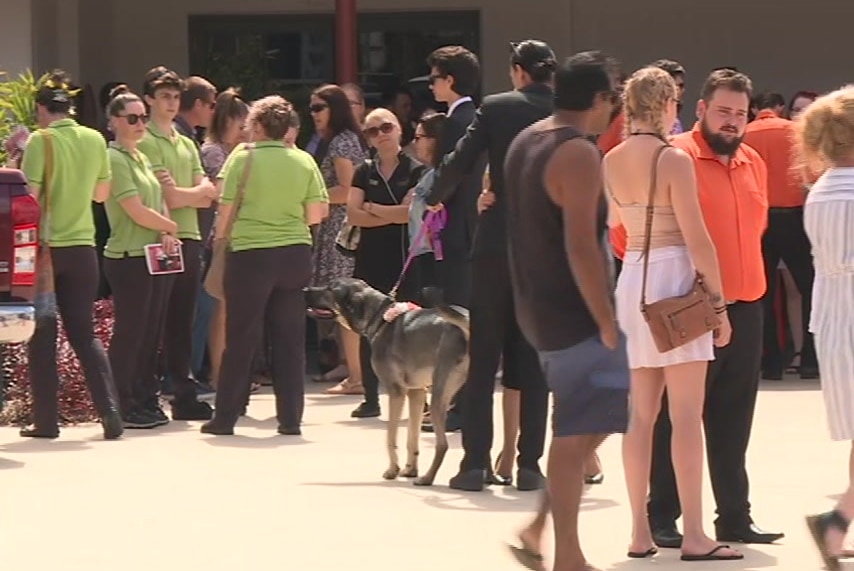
<point x="329" y="263"/>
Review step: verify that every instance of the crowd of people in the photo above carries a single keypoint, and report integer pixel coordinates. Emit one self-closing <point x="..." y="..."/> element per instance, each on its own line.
<point x="591" y="177"/>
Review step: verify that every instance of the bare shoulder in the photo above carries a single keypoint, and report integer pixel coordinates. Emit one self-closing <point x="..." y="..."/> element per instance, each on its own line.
<point x="676" y="158"/>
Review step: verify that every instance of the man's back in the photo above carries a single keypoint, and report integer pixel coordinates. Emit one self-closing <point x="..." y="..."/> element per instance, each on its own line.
<point x="549" y="307"/>
<point x="504" y="116"/>
<point x="774" y="139"/>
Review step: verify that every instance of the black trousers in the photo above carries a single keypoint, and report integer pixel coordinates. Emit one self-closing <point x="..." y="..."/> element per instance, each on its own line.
<point x="266" y="281"/>
<point x="785" y="239"/>
<point x="76" y="279"/>
<point x="453" y="276"/>
<point x="495" y="333"/>
<point x="732" y="383"/>
<point x="177" y="335"/>
<point x="139" y="301"/>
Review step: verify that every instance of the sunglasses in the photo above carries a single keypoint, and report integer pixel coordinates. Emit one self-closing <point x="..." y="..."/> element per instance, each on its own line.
<point x="385" y="129"/>
<point x="434" y="78"/>
<point x="318" y="107"/>
<point x="133" y="118"/>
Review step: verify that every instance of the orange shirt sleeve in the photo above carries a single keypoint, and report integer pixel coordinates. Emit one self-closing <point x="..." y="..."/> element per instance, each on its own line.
<point x="618" y="238"/>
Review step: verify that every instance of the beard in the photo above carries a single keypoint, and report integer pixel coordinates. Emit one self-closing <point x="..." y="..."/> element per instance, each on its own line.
<point x="719" y="144"/>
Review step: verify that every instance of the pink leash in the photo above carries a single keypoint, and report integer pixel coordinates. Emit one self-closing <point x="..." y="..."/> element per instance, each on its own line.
<point x="433" y="224"/>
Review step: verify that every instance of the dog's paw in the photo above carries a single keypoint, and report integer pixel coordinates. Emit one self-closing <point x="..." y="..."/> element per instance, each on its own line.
<point x="423" y="481"/>
<point x="410" y="472"/>
<point x="391" y="473"/>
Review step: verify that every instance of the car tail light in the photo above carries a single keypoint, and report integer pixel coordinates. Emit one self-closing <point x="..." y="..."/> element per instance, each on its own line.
<point x="25" y="229"/>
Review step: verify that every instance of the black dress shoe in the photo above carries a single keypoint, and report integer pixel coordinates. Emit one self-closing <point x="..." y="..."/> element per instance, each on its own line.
<point x="286" y="431"/>
<point x="366" y="410"/>
<point x="112" y="425"/>
<point x="33" y="431"/>
<point x="747" y="534"/>
<point x="773" y="374"/>
<point x="217" y="428"/>
<point x="667" y="537"/>
<point x="528" y="480"/>
<point x="469" y="481"/>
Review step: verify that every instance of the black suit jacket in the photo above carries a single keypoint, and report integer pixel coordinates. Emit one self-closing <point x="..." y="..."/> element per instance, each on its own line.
<point x="500" y="118"/>
<point x="460" y="197"/>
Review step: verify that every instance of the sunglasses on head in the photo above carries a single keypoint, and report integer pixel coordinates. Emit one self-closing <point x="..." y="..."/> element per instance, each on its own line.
<point x="385" y="129"/>
<point x="318" y="107"/>
<point x="134" y="118"/>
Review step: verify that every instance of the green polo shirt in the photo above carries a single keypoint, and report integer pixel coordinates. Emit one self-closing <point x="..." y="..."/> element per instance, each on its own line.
<point x="281" y="182"/>
<point x="132" y="176"/>
<point x="79" y="164"/>
<point x="180" y="156"/>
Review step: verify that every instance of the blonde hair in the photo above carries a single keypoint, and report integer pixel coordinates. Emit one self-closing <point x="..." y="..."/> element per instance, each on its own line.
<point x="382" y="113"/>
<point x="645" y="97"/>
<point x="825" y="129"/>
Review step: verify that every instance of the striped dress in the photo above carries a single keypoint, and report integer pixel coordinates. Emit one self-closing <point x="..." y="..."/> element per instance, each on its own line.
<point x="829" y="222"/>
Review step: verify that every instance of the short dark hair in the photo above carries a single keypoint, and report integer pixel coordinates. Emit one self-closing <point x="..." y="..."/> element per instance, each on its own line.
<point x="459" y="63"/>
<point x="769" y="100"/>
<point x="581" y="78"/>
<point x="726" y="78"/>
<point x="674" y="68"/>
<point x="161" y="78"/>
<point x="196" y="89"/>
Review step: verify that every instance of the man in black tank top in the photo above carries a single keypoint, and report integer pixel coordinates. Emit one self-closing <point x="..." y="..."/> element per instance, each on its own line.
<point x="556" y="223"/>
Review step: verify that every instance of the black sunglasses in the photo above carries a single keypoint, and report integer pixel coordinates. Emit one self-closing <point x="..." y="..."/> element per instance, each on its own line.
<point x="385" y="129"/>
<point x="434" y="78"/>
<point x="318" y="107"/>
<point x="134" y="118"/>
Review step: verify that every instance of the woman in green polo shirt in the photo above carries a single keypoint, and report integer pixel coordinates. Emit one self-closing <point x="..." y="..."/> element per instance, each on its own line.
<point x="138" y="217"/>
<point x="279" y="193"/>
<point x="67" y="168"/>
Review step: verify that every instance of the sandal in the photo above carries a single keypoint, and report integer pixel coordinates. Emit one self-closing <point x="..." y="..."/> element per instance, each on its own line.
<point x="819" y="525"/>
<point x="346" y="387"/>
<point x="497" y="478"/>
<point x="527" y="557"/>
<point x="712" y="555"/>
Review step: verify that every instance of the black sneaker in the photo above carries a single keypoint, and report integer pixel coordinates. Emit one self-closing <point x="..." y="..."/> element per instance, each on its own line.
<point x="139" y="419"/>
<point x="204" y="392"/>
<point x="366" y="410"/>
<point x="155" y="411"/>
<point x="191" y="410"/>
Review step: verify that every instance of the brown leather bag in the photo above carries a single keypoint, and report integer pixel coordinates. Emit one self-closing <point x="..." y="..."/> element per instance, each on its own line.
<point x="674" y="321"/>
<point x="215" y="278"/>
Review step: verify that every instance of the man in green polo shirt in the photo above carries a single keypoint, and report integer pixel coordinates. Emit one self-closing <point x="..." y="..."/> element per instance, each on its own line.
<point x="175" y="160"/>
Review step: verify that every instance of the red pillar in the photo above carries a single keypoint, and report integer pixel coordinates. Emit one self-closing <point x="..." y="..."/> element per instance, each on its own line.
<point x="346" y="43"/>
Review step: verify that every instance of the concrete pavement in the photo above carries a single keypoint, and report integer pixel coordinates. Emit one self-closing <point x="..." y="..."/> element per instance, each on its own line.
<point x="176" y="500"/>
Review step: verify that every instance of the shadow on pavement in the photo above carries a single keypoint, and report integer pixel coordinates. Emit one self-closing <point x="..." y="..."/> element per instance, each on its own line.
<point x="37" y="445"/>
<point x="6" y="464"/>
<point x="266" y="442"/>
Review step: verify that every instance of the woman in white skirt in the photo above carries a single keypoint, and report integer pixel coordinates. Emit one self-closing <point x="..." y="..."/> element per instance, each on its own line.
<point x="826" y="137"/>
<point x="679" y="244"/>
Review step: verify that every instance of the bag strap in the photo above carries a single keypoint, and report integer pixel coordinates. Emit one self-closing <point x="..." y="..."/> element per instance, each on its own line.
<point x="647" y="238"/>
<point x="48" y="174"/>
<point x="241" y="191"/>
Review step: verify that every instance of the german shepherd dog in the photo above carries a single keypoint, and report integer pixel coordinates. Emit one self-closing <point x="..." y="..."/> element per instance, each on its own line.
<point x="416" y="350"/>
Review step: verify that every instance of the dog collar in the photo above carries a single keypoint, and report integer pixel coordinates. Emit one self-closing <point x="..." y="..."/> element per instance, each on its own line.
<point x="399" y="309"/>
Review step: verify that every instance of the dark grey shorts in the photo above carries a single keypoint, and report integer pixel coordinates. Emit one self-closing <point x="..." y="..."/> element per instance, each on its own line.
<point x="590" y="386"/>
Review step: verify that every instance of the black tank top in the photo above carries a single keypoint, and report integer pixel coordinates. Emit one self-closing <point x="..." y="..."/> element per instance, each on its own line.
<point x="549" y="307"/>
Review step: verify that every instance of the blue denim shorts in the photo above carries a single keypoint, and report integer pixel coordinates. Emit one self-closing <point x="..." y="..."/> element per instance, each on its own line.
<point x="590" y="386"/>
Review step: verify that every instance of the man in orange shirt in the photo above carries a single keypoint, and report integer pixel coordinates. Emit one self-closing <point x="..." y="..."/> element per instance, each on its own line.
<point x="731" y="182"/>
<point x="773" y="138"/>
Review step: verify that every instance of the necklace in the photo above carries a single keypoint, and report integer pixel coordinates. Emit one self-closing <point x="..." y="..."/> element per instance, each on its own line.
<point x="650" y="133"/>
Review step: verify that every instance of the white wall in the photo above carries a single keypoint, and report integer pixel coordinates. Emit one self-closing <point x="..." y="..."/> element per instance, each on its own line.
<point x="16" y="44"/>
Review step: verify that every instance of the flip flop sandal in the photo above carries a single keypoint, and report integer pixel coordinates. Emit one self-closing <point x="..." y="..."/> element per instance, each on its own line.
<point x="819" y="526"/>
<point x="642" y="554"/>
<point x="594" y="479"/>
<point x="527" y="557"/>
<point x="499" y="479"/>
<point x="712" y="555"/>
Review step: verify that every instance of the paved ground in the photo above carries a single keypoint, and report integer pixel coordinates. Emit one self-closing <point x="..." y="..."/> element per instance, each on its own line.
<point x="176" y="500"/>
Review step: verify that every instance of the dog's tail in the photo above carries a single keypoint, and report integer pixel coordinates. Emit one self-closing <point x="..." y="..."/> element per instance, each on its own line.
<point x="451" y="314"/>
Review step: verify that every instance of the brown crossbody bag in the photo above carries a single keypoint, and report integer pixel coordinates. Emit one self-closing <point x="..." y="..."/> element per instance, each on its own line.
<point x="678" y="320"/>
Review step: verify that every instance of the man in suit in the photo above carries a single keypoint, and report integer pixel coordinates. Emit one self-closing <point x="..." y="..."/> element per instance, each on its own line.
<point x="494" y="331"/>
<point x="454" y="78"/>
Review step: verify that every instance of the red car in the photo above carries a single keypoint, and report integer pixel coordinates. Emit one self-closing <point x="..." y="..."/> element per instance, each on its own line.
<point x="20" y="217"/>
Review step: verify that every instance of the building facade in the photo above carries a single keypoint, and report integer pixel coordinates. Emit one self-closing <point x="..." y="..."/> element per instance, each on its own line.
<point x="98" y="41"/>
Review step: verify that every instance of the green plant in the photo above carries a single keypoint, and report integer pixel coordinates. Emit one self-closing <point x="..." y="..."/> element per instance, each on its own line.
<point x="17" y="104"/>
<point x="243" y="64"/>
